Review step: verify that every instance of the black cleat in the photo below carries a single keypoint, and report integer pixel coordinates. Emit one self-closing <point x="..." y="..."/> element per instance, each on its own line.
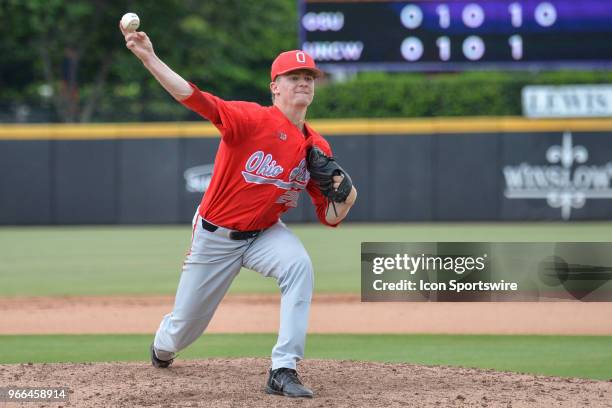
<point x="285" y="381"/>
<point x="157" y="362"/>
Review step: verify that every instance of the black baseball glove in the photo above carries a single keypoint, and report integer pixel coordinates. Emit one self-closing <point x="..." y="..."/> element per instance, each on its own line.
<point x="322" y="170"/>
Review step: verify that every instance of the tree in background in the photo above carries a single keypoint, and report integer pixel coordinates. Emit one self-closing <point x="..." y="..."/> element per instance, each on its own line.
<point x="69" y="57"/>
<point x="65" y="61"/>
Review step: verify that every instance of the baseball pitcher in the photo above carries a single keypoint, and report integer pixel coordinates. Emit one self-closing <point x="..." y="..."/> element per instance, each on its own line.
<point x="267" y="156"/>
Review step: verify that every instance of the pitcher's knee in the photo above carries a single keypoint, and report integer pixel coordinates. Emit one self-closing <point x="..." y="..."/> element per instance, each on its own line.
<point x="298" y="272"/>
<point x="303" y="262"/>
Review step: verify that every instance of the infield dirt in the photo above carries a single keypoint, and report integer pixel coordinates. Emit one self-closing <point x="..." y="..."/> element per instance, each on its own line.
<point x="330" y="313"/>
<point x="240" y="383"/>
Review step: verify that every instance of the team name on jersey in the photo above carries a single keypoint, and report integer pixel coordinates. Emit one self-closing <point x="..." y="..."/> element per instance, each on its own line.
<point x="263" y="164"/>
<point x="261" y="168"/>
<point x="300" y="173"/>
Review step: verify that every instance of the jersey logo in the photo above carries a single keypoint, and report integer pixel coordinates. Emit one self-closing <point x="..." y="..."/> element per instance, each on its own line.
<point x="261" y="168"/>
<point x="300" y="173"/>
<point x="263" y="164"/>
<point x="282" y="136"/>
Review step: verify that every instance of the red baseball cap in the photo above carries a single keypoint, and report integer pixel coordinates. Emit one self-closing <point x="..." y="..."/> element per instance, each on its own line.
<point x="293" y="60"/>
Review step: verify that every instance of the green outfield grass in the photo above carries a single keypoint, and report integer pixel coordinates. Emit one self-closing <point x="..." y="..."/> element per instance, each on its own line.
<point x="147" y="260"/>
<point x="572" y="356"/>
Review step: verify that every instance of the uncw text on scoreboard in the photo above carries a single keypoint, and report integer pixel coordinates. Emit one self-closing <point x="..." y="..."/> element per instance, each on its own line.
<point x="430" y="35"/>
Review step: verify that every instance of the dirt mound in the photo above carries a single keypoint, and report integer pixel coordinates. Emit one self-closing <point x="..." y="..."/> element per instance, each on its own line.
<point x="240" y="382"/>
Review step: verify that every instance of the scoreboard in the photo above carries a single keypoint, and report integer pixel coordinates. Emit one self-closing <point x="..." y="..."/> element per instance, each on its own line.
<point x="432" y="35"/>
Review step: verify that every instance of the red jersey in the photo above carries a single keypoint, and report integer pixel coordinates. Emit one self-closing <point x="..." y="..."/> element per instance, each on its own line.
<point x="260" y="167"/>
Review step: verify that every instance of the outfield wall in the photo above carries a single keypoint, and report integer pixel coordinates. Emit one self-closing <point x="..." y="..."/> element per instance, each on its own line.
<point x="476" y="169"/>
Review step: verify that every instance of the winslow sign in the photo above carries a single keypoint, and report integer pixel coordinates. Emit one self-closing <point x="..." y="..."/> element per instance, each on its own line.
<point x="566" y="182"/>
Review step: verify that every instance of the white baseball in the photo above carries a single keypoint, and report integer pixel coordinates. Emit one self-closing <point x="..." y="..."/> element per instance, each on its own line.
<point x="130" y="22"/>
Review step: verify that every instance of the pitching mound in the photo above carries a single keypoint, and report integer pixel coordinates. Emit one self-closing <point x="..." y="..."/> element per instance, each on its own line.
<point x="240" y="383"/>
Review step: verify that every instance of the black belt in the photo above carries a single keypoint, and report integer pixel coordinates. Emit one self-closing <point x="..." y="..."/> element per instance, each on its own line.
<point x="235" y="235"/>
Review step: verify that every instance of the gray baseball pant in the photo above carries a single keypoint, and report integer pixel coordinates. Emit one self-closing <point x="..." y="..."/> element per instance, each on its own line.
<point x="209" y="269"/>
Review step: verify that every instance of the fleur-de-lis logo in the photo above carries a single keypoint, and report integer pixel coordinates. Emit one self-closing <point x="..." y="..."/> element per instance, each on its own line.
<point x="566" y="154"/>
